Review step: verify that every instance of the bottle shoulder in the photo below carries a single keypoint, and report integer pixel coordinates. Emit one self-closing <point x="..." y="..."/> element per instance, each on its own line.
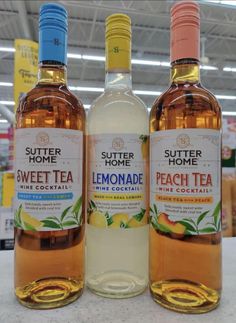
<point x="42" y="95"/>
<point x="117" y="112"/>
<point x="190" y="95"/>
<point x="185" y="106"/>
<point x="116" y="99"/>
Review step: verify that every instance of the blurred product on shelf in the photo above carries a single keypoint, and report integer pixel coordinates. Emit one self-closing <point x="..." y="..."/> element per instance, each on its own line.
<point x="7" y="189"/>
<point x="6" y="228"/>
<point x="6" y="211"/>
<point x="25" y="67"/>
<point x="227" y="182"/>
<point x="229" y="177"/>
<point x="229" y="146"/>
<point x="4" y="148"/>
<point x="233" y="195"/>
<point x="10" y="147"/>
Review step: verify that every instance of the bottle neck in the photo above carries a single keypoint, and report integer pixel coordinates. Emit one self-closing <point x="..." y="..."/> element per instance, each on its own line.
<point x="52" y="73"/>
<point x="185" y="71"/>
<point x="118" y="81"/>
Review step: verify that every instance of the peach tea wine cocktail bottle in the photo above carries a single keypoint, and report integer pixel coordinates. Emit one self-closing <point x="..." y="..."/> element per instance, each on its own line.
<point x="117" y="230"/>
<point x="49" y="167"/>
<point x="185" y="194"/>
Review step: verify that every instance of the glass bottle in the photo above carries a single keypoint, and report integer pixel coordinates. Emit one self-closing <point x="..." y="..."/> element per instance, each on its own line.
<point x="49" y="178"/>
<point x="185" y="179"/>
<point x="117" y="229"/>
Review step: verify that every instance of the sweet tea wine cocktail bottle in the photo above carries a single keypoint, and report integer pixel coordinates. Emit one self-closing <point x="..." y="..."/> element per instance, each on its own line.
<point x="49" y="178"/>
<point x="117" y="229"/>
<point x="185" y="179"/>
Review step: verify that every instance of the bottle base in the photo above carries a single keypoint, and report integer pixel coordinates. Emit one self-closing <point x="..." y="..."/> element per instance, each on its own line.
<point x="115" y="284"/>
<point x="185" y="296"/>
<point x="49" y="293"/>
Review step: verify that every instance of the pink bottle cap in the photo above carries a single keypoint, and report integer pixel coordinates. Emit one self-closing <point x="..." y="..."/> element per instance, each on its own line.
<point x="185" y="30"/>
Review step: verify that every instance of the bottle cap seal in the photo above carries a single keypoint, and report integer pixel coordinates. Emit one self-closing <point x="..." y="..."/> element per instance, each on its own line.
<point x="118" y="43"/>
<point x="53" y="27"/>
<point x="185" y="30"/>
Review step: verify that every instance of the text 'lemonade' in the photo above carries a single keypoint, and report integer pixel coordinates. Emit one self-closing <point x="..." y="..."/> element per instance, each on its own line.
<point x="117" y="231"/>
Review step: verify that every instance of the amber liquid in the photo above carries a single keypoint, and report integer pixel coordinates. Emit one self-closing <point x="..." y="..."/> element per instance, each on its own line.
<point x="49" y="266"/>
<point x="185" y="272"/>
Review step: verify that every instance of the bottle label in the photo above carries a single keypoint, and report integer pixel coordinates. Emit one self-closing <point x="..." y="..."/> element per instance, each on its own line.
<point x="117" y="180"/>
<point x="48" y="179"/>
<point x="185" y="178"/>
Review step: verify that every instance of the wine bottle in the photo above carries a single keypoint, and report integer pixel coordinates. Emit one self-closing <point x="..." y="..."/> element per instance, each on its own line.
<point x="117" y="230"/>
<point x="185" y="178"/>
<point x="49" y="176"/>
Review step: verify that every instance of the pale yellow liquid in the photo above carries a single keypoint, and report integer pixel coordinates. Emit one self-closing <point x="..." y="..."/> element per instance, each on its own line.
<point x="117" y="259"/>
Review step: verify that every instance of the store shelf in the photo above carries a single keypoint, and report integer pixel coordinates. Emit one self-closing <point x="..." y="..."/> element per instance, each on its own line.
<point x="93" y="309"/>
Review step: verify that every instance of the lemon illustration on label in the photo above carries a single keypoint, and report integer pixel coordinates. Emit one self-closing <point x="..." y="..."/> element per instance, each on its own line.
<point x="98" y="219"/>
<point x="29" y="222"/>
<point x="138" y="220"/>
<point x="118" y="219"/>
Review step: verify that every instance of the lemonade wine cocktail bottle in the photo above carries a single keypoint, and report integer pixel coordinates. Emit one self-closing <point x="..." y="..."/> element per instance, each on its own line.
<point x="117" y="230"/>
<point x="185" y="179"/>
<point x="49" y="178"/>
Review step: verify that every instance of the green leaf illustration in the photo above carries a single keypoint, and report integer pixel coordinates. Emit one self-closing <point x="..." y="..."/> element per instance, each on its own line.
<point x="186" y="232"/>
<point x="77" y="206"/>
<point x="69" y="223"/>
<point x="29" y="227"/>
<point x="187" y="225"/>
<point x="208" y="230"/>
<point x="144" y="138"/>
<point x="151" y="210"/>
<point x="140" y="215"/>
<point x="89" y="206"/>
<point x="155" y="208"/>
<point x="17" y="215"/>
<point x="154" y="223"/>
<point x="201" y="217"/>
<point x="50" y="224"/>
<point x="216" y="213"/>
<point x="17" y="224"/>
<point x="93" y="205"/>
<point x="64" y="213"/>
<point x="109" y="218"/>
<point x="163" y="228"/>
<point x="53" y="218"/>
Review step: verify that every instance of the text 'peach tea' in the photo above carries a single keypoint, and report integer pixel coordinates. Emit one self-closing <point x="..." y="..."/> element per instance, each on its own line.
<point x="185" y="179"/>
<point x="49" y="168"/>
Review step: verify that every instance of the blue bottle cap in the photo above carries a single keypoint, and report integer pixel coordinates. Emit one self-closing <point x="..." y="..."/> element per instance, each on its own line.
<point x="53" y="27"/>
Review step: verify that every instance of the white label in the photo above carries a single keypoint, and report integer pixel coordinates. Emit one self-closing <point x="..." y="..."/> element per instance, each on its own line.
<point x="117" y="180"/>
<point x="48" y="179"/>
<point x="185" y="178"/>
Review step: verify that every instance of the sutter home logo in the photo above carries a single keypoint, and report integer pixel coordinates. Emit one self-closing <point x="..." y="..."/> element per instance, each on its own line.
<point x="117" y="157"/>
<point x="42" y="154"/>
<point x="183" y="157"/>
